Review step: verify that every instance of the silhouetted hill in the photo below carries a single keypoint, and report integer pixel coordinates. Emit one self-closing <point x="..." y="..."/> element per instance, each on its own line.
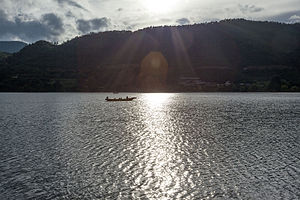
<point x="11" y="46"/>
<point x="248" y="55"/>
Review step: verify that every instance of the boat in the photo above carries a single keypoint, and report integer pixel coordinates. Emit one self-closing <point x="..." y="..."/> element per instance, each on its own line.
<point x="120" y="99"/>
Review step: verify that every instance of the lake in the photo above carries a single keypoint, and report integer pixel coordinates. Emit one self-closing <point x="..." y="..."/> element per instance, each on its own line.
<point x="159" y="146"/>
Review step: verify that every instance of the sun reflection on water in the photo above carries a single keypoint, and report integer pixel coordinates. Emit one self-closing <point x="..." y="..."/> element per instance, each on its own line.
<point x="157" y="99"/>
<point x="157" y="143"/>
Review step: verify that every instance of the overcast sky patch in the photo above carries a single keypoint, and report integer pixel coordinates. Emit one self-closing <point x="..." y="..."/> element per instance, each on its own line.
<point x="64" y="19"/>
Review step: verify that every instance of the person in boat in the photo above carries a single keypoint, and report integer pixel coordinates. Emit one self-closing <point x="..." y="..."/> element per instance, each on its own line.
<point x="127" y="97"/>
<point x="106" y="98"/>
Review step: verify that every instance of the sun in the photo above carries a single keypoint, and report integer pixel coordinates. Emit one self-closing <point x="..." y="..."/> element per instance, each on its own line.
<point x="160" y="6"/>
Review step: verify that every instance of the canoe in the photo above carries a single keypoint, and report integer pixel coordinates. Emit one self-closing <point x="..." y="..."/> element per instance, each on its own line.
<point x="120" y="99"/>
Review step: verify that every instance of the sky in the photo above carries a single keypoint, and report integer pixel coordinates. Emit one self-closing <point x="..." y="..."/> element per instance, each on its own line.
<point x="61" y="20"/>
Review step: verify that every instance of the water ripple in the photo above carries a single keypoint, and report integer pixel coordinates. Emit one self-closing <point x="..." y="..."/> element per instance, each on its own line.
<point x="161" y="146"/>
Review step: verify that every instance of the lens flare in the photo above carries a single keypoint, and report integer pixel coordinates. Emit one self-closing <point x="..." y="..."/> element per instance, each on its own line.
<point x="153" y="72"/>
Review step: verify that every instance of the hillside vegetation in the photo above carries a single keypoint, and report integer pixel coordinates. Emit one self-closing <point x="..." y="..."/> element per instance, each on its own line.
<point x="230" y="55"/>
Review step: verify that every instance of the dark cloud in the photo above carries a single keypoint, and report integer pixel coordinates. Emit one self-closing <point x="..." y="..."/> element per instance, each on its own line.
<point x="48" y="27"/>
<point x="249" y="8"/>
<point x="183" y="21"/>
<point x="71" y="3"/>
<point x="53" y="22"/>
<point x="70" y="14"/>
<point x="97" y="24"/>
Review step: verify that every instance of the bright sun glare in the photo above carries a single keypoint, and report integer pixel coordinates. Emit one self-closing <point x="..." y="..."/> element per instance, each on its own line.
<point x="157" y="99"/>
<point x="160" y="6"/>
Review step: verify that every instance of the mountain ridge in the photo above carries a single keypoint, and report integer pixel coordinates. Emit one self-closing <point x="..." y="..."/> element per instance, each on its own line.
<point x="236" y="51"/>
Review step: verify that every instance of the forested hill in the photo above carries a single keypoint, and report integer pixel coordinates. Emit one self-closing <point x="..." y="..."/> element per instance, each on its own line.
<point x="248" y="55"/>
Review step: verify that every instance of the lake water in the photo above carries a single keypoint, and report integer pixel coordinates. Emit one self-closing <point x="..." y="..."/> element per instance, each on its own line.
<point x="160" y="146"/>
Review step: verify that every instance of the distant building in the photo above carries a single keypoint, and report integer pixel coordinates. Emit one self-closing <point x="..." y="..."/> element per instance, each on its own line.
<point x="227" y="83"/>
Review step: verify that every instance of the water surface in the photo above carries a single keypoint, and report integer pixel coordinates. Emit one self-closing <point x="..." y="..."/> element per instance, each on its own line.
<point x="160" y="146"/>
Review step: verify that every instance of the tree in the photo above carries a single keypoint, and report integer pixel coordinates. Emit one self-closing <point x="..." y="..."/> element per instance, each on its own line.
<point x="275" y="84"/>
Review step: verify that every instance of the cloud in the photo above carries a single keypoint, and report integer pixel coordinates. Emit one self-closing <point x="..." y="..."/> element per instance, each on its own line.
<point x="72" y="15"/>
<point x="53" y="22"/>
<point x="183" y="21"/>
<point x="49" y="27"/>
<point x="71" y="3"/>
<point x="249" y="8"/>
<point x="285" y="17"/>
<point x="295" y="19"/>
<point x="97" y="24"/>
